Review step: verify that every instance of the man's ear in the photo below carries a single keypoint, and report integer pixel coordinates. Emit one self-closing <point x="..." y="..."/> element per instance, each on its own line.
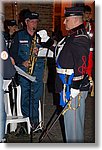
<point x="9" y="27"/>
<point x="26" y="22"/>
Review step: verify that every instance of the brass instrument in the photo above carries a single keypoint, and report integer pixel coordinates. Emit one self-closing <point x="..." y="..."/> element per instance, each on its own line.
<point x="32" y="57"/>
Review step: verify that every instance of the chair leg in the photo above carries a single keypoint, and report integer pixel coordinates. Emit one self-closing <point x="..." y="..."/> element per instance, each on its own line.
<point x="6" y="127"/>
<point x="13" y="127"/>
<point x="28" y="125"/>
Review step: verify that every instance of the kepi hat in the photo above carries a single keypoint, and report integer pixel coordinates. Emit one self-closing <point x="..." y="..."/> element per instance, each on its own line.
<point x="73" y="11"/>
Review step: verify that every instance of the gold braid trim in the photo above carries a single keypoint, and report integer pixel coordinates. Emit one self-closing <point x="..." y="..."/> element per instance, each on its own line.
<point x="69" y="105"/>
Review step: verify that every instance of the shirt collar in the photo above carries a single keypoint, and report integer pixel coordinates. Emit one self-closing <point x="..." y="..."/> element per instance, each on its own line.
<point x="75" y="30"/>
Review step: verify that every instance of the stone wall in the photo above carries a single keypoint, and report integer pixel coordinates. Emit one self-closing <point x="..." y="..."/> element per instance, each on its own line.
<point x="45" y="10"/>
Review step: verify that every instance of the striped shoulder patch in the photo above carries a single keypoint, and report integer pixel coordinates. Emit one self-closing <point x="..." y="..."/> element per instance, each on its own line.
<point x="23" y="41"/>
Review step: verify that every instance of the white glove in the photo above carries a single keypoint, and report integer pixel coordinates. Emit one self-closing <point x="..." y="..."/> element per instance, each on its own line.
<point x="43" y="35"/>
<point x="74" y="92"/>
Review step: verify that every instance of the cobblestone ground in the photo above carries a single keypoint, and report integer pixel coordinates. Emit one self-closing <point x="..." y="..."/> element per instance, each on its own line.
<point x="55" y="134"/>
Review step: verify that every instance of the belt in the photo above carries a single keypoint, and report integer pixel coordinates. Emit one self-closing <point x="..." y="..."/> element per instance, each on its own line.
<point x="65" y="71"/>
<point x="69" y="72"/>
<point x="78" y="78"/>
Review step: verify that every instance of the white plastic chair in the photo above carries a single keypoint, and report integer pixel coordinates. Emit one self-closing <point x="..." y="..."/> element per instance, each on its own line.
<point x="14" y="118"/>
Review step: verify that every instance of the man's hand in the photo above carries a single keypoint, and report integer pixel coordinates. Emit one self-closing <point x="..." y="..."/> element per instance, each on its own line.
<point x="91" y="85"/>
<point x="26" y="63"/>
<point x="35" y="51"/>
<point x="12" y="60"/>
<point x="91" y="81"/>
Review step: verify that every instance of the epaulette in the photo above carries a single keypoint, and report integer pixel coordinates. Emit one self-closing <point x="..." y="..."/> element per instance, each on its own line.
<point x="81" y="32"/>
<point x="82" y="35"/>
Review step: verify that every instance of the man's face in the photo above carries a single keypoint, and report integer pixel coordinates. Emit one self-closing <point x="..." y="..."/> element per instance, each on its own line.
<point x="70" y="22"/>
<point x="12" y="29"/>
<point x="32" y="24"/>
<point x="87" y="15"/>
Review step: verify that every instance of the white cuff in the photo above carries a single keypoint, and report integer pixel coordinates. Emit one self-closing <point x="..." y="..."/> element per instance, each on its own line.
<point x="74" y="92"/>
<point x="43" y="35"/>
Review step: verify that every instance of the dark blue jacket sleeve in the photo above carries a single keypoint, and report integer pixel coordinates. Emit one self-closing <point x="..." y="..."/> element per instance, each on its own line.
<point x="14" y="50"/>
<point x="8" y="70"/>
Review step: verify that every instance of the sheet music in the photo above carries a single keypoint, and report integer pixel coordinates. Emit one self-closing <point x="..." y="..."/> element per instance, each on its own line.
<point x="43" y="52"/>
<point x="22" y="73"/>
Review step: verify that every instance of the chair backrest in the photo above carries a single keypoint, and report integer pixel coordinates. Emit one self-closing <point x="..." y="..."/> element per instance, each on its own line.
<point x="17" y="101"/>
<point x="6" y="97"/>
<point x="19" y="113"/>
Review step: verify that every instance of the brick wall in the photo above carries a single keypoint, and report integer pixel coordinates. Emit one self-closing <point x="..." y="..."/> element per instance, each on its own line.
<point x="51" y="13"/>
<point x="45" y="10"/>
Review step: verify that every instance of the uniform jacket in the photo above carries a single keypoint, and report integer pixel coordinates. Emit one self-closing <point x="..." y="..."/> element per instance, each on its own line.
<point x="20" y="47"/>
<point x="72" y="53"/>
<point x="8" y="71"/>
<point x="8" y="39"/>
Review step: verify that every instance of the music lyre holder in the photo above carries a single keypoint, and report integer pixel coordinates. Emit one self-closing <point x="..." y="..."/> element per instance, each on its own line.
<point x="50" y="125"/>
<point x="41" y="123"/>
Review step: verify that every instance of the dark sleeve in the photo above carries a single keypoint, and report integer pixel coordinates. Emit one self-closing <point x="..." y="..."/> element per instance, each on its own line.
<point x="48" y="44"/>
<point x="8" y="69"/>
<point x="80" y="51"/>
<point x="14" y="50"/>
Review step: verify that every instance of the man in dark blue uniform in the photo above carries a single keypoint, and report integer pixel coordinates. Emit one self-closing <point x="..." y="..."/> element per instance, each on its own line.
<point x="10" y="29"/>
<point x="72" y="79"/>
<point x="24" y="42"/>
<point x="7" y="71"/>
